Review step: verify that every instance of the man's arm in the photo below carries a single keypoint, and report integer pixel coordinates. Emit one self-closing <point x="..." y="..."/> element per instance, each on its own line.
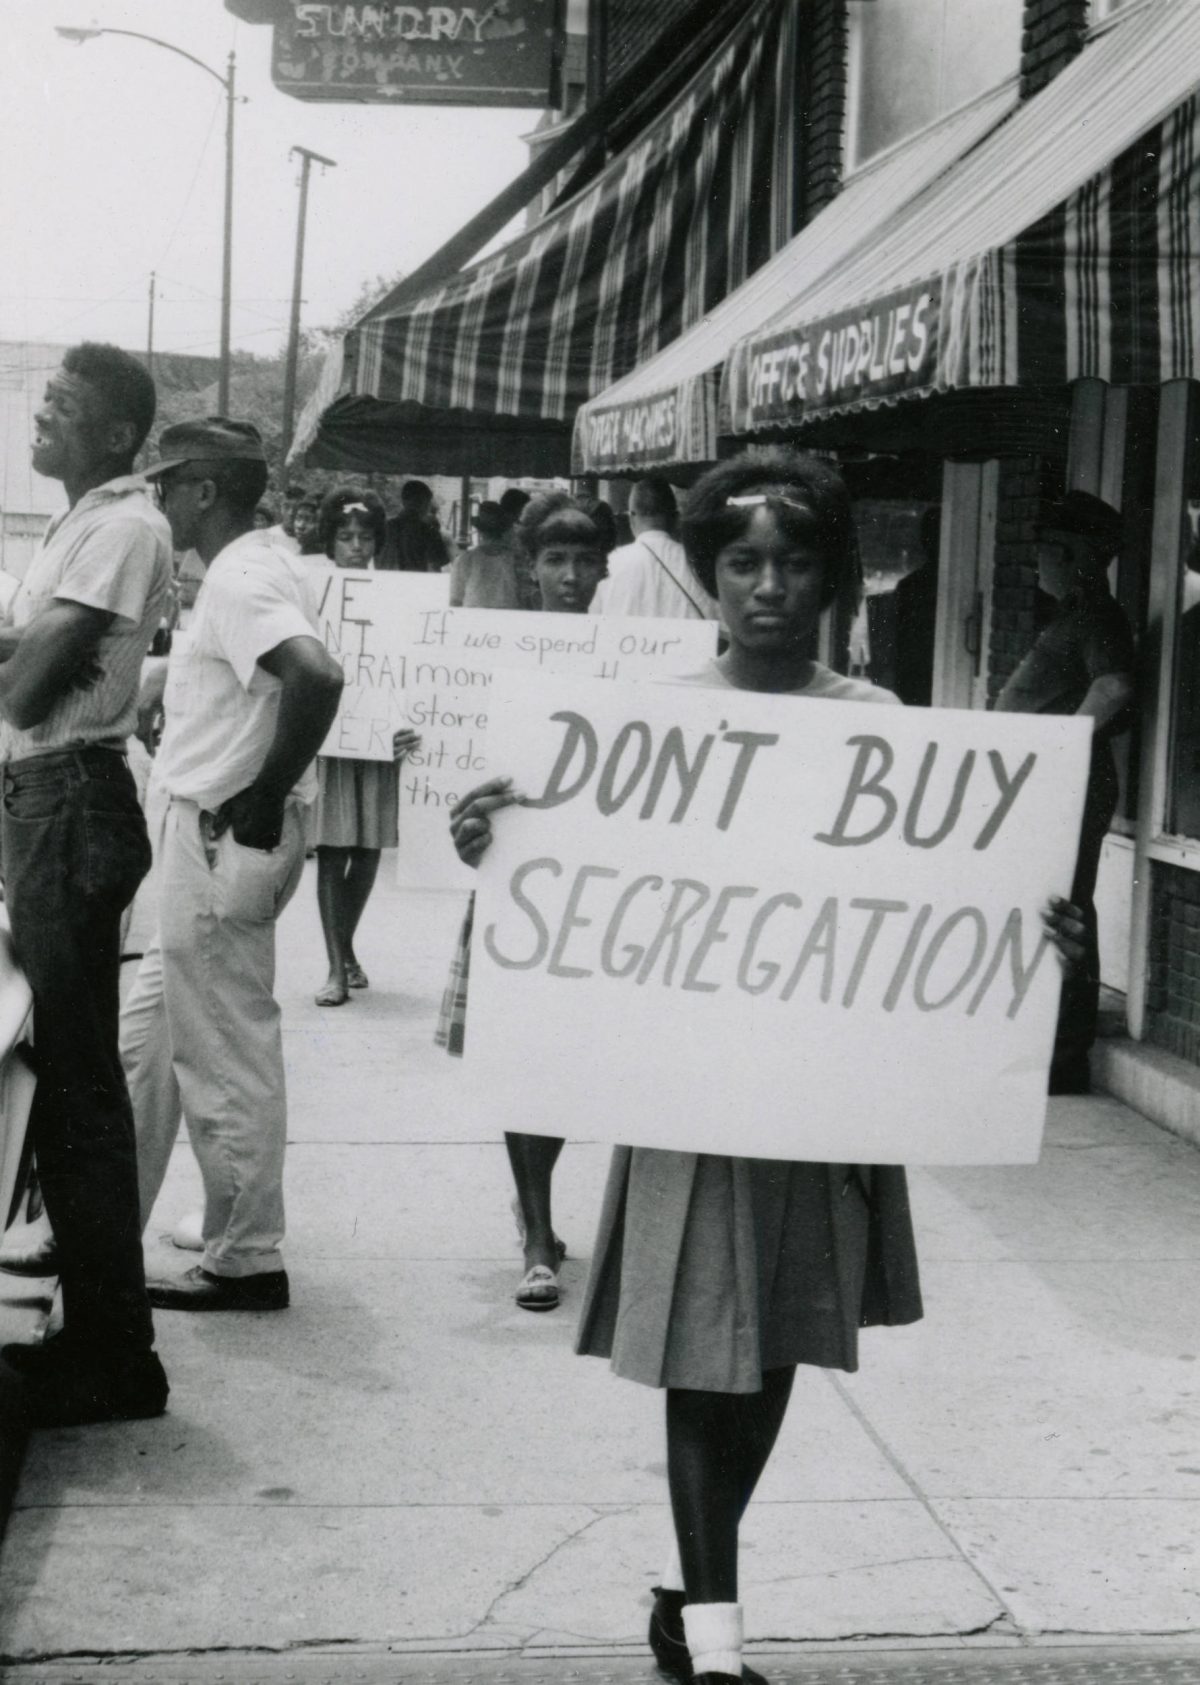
<point x="1107" y="696"/>
<point x="312" y="686"/>
<point x="47" y="659"/>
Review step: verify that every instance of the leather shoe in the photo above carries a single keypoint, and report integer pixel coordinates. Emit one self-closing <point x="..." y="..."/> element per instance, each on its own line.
<point x="198" y="1290"/>
<point x="669" y="1645"/>
<point x="68" y="1389"/>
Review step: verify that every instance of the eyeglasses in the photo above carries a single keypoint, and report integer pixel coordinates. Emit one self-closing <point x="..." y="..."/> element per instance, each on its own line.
<point x="166" y="482"/>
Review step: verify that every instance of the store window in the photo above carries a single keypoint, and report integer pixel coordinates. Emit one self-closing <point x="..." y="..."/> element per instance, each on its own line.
<point x="1183" y="802"/>
<point x="911" y="61"/>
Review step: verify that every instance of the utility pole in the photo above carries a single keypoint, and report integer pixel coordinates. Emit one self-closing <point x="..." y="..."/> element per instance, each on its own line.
<point x="227" y="244"/>
<point x="307" y="160"/>
<point x="150" y="330"/>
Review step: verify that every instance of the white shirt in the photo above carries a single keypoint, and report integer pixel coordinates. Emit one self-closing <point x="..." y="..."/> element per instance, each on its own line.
<point x="220" y="705"/>
<point x="652" y="576"/>
<point x="112" y="551"/>
<point x="283" y="539"/>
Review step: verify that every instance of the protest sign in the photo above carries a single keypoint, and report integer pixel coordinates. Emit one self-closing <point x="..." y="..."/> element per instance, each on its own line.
<point x="776" y="927"/>
<point x="447" y="676"/>
<point x="366" y="616"/>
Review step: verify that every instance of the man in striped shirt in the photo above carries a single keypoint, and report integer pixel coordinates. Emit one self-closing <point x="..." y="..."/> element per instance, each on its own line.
<point x="74" y="851"/>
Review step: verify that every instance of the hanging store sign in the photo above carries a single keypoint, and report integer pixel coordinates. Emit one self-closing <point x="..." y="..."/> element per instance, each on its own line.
<point x="504" y="53"/>
<point x="645" y="431"/>
<point x="876" y="351"/>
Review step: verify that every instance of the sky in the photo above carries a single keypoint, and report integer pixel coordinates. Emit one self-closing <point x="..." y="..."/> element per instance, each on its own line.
<point x="113" y="167"/>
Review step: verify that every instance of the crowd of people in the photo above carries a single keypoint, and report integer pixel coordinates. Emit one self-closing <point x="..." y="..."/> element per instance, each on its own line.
<point x="712" y="1276"/>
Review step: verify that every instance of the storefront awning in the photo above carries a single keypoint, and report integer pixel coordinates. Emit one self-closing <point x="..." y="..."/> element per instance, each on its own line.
<point x="1066" y="245"/>
<point x="484" y="372"/>
<point x="665" y="412"/>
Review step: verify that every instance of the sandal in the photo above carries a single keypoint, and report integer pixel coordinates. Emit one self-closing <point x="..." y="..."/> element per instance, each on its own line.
<point x="356" y="977"/>
<point x="332" y="995"/>
<point x="538" y="1290"/>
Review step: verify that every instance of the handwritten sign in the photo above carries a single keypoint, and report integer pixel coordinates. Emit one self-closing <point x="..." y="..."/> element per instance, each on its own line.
<point x="447" y="675"/>
<point x="827" y="912"/>
<point x="366" y="617"/>
<point x="387" y="53"/>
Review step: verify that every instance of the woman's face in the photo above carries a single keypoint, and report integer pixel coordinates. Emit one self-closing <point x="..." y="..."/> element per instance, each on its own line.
<point x="567" y="575"/>
<point x="769" y="585"/>
<point x="304" y="522"/>
<point x="353" y="542"/>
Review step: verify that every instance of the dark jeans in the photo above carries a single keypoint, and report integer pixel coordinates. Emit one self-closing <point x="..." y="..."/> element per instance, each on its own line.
<point x="1080" y="1001"/>
<point x="74" y="850"/>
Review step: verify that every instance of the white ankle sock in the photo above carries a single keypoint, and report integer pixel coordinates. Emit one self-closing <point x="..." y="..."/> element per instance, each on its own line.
<point x="714" y="1636"/>
<point x="672" y="1574"/>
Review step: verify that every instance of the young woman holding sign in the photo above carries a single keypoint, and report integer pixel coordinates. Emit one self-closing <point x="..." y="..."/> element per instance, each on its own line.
<point x="566" y="550"/>
<point x="714" y="1277"/>
<point x="357" y="801"/>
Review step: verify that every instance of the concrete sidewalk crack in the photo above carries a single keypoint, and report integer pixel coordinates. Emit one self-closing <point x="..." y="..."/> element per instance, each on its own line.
<point x="535" y="1568"/>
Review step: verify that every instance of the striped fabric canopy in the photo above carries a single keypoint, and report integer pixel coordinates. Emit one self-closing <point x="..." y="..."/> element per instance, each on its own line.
<point x="485" y="373"/>
<point x="1063" y="247"/>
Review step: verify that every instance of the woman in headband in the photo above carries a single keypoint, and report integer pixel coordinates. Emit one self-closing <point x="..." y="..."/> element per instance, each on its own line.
<point x="713" y="1277"/>
<point x="357" y="801"/>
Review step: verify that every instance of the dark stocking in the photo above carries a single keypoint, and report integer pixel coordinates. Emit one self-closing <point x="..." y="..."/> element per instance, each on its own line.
<point x="717" y="1447"/>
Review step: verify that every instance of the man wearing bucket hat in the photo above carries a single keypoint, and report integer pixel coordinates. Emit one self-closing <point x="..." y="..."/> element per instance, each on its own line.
<point x="1082" y="662"/>
<point x="250" y="696"/>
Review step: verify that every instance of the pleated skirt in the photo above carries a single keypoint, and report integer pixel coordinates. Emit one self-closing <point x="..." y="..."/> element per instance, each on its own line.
<point x="357" y="804"/>
<point x="708" y="1271"/>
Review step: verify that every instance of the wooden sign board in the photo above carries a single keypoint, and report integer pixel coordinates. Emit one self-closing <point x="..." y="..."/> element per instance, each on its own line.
<point x="506" y="53"/>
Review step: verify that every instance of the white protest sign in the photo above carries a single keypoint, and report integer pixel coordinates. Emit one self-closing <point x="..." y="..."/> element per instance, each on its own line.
<point x="772" y="926"/>
<point x="366" y="617"/>
<point x="447" y="676"/>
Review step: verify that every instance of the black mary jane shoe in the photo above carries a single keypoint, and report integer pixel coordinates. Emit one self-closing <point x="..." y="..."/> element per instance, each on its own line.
<point x="670" y="1649"/>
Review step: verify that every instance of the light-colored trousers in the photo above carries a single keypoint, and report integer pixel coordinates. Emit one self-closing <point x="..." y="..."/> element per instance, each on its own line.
<point x="201" y="1037"/>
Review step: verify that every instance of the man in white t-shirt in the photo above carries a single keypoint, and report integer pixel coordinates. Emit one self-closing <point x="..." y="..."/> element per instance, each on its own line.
<point x="250" y="695"/>
<point x="652" y="575"/>
<point x="75" y="850"/>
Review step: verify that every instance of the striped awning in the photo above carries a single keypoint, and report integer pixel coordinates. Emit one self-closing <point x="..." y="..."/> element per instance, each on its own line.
<point x="485" y="373"/>
<point x="1066" y="245"/>
<point x="665" y="411"/>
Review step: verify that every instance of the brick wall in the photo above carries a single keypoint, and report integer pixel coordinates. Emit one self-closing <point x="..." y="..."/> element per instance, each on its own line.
<point x="1054" y="32"/>
<point x="1173" y="992"/>
<point x="1014" y="586"/>
<point x="631" y="27"/>
<point x="825" y="100"/>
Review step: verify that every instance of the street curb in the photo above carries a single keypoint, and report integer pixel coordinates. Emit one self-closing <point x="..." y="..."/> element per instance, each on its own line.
<point x="14" y="1435"/>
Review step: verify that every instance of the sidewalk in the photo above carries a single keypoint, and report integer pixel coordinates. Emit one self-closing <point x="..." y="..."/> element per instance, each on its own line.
<point x="406" y="1466"/>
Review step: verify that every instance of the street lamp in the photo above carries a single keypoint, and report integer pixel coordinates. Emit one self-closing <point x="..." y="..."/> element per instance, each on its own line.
<point x="227" y="82"/>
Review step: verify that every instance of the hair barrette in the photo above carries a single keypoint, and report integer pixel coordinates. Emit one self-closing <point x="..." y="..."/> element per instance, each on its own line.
<point x="350" y="508"/>
<point x="757" y="500"/>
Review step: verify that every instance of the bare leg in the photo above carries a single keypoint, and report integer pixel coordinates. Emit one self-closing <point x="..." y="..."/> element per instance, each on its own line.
<point x="362" y="865"/>
<point x="331" y="880"/>
<point x="533" y="1158"/>
<point x="717" y="1447"/>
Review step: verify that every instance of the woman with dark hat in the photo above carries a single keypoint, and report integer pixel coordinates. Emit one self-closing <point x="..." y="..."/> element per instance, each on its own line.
<point x="1082" y="662"/>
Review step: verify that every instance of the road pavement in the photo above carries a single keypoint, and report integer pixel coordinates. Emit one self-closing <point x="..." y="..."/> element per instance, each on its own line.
<point x="405" y="1476"/>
